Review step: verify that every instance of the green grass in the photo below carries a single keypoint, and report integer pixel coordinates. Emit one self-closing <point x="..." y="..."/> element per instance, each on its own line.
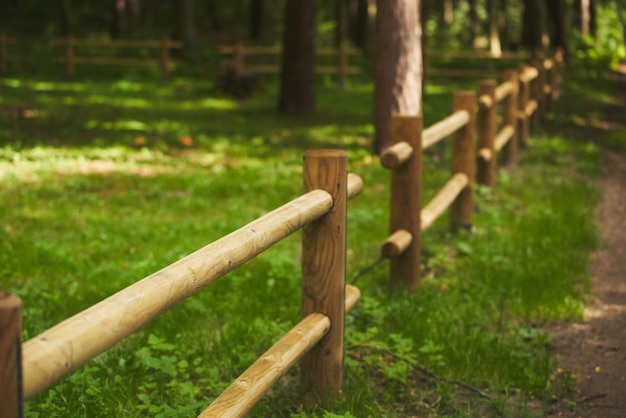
<point x="86" y="209"/>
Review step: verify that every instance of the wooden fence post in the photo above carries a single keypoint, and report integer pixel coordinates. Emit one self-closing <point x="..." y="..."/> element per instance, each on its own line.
<point x="537" y="91"/>
<point x="523" y="97"/>
<point x="509" y="118"/>
<point x="556" y="79"/>
<point x="548" y="68"/>
<point x="463" y="157"/>
<point x="486" y="169"/>
<point x="239" y="57"/>
<point x="69" y="57"/>
<point x="343" y="65"/>
<point x="11" y="400"/>
<point x="406" y="206"/>
<point x="323" y="274"/>
<point x="165" y="59"/>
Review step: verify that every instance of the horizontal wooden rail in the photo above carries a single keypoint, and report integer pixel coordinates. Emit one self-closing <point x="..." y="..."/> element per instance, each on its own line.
<point x="444" y="128"/>
<point x="276" y="50"/>
<point x="476" y="54"/>
<point x="239" y="398"/>
<point x="67" y="346"/>
<point x="355" y="185"/>
<point x="396" y="243"/>
<point x="529" y="74"/>
<point x="503" y="90"/>
<point x="112" y="61"/>
<point x="485" y="154"/>
<point x="396" y="154"/>
<point x="485" y="102"/>
<point x="504" y="136"/>
<point x="443" y="199"/>
<point x="119" y="43"/>
<point x="531" y="107"/>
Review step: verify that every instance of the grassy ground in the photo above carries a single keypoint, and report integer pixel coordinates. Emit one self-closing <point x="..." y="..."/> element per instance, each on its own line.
<point x="104" y="182"/>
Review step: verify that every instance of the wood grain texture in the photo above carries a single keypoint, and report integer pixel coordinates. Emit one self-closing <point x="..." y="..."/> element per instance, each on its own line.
<point x="324" y="273"/>
<point x="443" y="199"/>
<point x="11" y="401"/>
<point x="509" y="118"/>
<point x="486" y="124"/>
<point x="239" y="398"/>
<point x="396" y="244"/>
<point x="463" y="161"/>
<point x="444" y="128"/>
<point x="406" y="191"/>
<point x="67" y="346"/>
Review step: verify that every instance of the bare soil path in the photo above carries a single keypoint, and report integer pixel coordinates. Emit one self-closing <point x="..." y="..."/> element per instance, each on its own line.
<point x="595" y="350"/>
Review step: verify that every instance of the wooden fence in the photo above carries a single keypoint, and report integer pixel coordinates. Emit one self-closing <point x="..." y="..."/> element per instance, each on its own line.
<point x="5" y="57"/>
<point x="71" y="58"/>
<point x="321" y="211"/>
<point x="242" y="55"/>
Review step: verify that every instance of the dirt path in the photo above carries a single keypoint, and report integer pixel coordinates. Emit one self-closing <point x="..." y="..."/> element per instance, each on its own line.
<point x="595" y="351"/>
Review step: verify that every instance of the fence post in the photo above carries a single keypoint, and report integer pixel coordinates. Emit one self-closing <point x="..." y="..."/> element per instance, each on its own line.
<point x="165" y="59"/>
<point x="538" y="93"/>
<point x="523" y="119"/>
<point x="509" y="118"/>
<point x="69" y="57"/>
<point x="239" y="57"/>
<point x="406" y="206"/>
<point x="323" y="274"/>
<point x="11" y="400"/>
<point x="463" y="157"/>
<point x="3" y="52"/>
<point x="343" y="64"/>
<point x="556" y="79"/>
<point x="548" y="67"/>
<point x="486" y="169"/>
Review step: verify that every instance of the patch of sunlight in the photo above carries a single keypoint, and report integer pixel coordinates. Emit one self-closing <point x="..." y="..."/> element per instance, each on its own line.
<point x="125" y="85"/>
<point x="437" y="89"/>
<point x="129" y="125"/>
<point x="214" y="103"/>
<point x="41" y="163"/>
<point x="12" y="82"/>
<point x="44" y="86"/>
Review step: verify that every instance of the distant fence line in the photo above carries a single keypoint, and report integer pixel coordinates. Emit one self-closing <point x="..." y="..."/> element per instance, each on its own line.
<point x="243" y="58"/>
<point x="525" y="94"/>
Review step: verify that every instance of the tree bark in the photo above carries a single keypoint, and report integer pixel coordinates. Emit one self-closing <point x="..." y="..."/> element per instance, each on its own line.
<point x="297" y="89"/>
<point x="494" y="30"/>
<point x="556" y="8"/>
<point x="532" y="24"/>
<point x="473" y="17"/>
<point x="398" y="68"/>
<point x="257" y="19"/>
<point x="339" y="22"/>
<point x="119" y="19"/>
<point x="188" y="24"/>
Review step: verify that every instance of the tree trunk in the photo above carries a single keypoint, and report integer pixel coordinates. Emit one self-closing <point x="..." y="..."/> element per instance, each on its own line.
<point x="64" y="16"/>
<point x="448" y="12"/>
<point x="257" y="19"/>
<point x="188" y="24"/>
<point x="214" y="18"/>
<point x="118" y="28"/>
<point x="361" y="24"/>
<point x="398" y="68"/>
<point x="494" y="30"/>
<point x="473" y="18"/>
<point x="556" y="9"/>
<point x="532" y="24"/>
<point x="339" y="22"/>
<point x="297" y="89"/>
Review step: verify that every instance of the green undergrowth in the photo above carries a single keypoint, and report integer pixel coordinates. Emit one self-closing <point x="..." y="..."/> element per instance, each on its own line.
<point x="108" y="182"/>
